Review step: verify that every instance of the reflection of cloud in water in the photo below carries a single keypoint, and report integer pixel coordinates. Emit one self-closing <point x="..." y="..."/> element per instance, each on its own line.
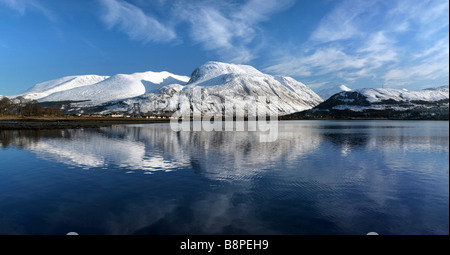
<point x="210" y="213"/>
<point x="221" y="213"/>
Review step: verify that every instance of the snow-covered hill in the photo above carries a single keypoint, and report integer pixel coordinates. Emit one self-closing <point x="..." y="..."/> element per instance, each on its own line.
<point x="216" y="86"/>
<point x="47" y="88"/>
<point x="100" y="89"/>
<point x="212" y="87"/>
<point x="328" y="92"/>
<point x="382" y="98"/>
<point x="431" y="103"/>
<point x="425" y="95"/>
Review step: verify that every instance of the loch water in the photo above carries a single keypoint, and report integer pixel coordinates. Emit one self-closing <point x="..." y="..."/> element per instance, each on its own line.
<point x="317" y="177"/>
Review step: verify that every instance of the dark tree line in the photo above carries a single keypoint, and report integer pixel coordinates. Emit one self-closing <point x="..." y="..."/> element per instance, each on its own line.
<point x="6" y="106"/>
<point x="26" y="108"/>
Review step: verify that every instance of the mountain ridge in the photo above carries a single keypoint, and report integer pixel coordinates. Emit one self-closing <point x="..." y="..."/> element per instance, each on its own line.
<point x="216" y="86"/>
<point x="211" y="88"/>
<point x="429" y="103"/>
<point x="102" y="88"/>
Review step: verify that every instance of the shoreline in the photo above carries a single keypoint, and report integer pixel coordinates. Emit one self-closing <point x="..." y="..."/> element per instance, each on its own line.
<point x="20" y="123"/>
<point x="41" y="123"/>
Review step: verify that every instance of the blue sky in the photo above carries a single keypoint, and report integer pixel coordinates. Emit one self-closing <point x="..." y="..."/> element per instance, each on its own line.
<point x="322" y="43"/>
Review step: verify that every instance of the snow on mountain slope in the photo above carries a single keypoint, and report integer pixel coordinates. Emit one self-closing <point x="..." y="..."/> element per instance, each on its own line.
<point x="328" y="92"/>
<point x="429" y="95"/>
<point x="212" y="87"/>
<point x="241" y="85"/>
<point x="120" y="86"/>
<point x="381" y="99"/>
<point x="213" y="69"/>
<point x="381" y="103"/>
<point x="216" y="86"/>
<point x="47" y="88"/>
<point x="153" y="81"/>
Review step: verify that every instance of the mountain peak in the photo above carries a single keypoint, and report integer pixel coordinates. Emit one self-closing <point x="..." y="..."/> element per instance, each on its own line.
<point x="328" y="92"/>
<point x="213" y="69"/>
<point x="344" y="88"/>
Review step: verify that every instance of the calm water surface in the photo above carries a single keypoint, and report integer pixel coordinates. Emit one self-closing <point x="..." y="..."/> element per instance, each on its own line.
<point x="319" y="177"/>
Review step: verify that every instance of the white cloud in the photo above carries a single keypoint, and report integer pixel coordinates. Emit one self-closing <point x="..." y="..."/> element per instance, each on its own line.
<point x="316" y="85"/>
<point x="428" y="61"/>
<point x="228" y="28"/>
<point x="378" y="50"/>
<point x="339" y="47"/>
<point x="335" y="61"/>
<point x="425" y="72"/>
<point x="399" y="42"/>
<point x="433" y="65"/>
<point x="135" y="23"/>
<point x="224" y="27"/>
<point x="441" y="46"/>
<point x="217" y="32"/>
<point x="426" y="16"/>
<point x="343" y="21"/>
<point x="23" y="6"/>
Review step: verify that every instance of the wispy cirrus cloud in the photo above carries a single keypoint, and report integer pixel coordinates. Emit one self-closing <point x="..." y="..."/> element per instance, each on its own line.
<point x="228" y="28"/>
<point x="343" y="22"/>
<point x="430" y="64"/>
<point x="24" y="6"/>
<point x="393" y="43"/>
<point x="134" y="22"/>
<point x="224" y="27"/>
<point x="350" y="63"/>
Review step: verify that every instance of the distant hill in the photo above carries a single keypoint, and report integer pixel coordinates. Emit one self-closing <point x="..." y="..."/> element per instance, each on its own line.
<point x="431" y="103"/>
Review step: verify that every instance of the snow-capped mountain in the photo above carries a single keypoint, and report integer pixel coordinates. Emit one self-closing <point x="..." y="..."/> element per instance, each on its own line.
<point x="369" y="98"/>
<point x="100" y="89"/>
<point x="212" y="87"/>
<point x="216" y="86"/>
<point x="426" y="95"/>
<point x="386" y="103"/>
<point x="328" y="92"/>
<point x="47" y="88"/>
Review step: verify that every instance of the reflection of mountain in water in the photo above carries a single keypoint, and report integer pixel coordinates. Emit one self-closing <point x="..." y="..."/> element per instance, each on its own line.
<point x="217" y="155"/>
<point x="318" y="177"/>
<point x="385" y="138"/>
<point x="157" y="147"/>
